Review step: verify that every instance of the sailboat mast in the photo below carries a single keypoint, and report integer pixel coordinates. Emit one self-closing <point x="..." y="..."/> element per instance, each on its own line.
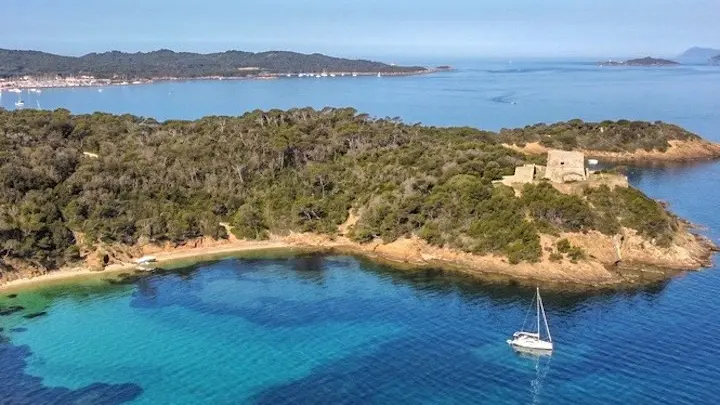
<point x="547" y="327"/>
<point x="538" y="310"/>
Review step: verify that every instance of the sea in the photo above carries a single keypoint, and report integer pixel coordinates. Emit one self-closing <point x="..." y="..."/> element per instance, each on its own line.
<point x="292" y="328"/>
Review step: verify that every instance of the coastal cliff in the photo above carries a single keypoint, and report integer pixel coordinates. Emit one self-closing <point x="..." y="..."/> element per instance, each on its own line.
<point x="96" y="191"/>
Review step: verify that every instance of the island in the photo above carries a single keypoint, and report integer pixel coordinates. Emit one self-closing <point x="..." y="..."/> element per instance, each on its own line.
<point x="21" y="68"/>
<point x="81" y="193"/>
<point x="698" y="55"/>
<point x="715" y="60"/>
<point x="647" y="61"/>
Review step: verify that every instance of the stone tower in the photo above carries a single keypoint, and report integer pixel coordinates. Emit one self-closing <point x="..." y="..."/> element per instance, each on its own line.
<point x="565" y="166"/>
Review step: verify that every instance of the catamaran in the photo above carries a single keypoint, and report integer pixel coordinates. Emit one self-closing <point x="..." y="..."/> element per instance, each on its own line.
<point x="531" y="340"/>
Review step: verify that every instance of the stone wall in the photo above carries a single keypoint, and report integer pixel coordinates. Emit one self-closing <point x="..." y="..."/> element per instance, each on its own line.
<point x="523" y="174"/>
<point x="565" y="166"/>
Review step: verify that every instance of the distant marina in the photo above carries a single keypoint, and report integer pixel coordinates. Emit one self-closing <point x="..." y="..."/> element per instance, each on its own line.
<point x="36" y="84"/>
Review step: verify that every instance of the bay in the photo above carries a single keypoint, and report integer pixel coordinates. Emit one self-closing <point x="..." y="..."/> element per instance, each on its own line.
<point x="335" y="329"/>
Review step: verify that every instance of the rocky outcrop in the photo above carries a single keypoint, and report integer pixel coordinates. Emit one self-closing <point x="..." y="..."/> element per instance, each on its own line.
<point x="679" y="151"/>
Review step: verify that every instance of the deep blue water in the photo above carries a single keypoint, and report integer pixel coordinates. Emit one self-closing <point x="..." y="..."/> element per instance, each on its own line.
<point x="335" y="329"/>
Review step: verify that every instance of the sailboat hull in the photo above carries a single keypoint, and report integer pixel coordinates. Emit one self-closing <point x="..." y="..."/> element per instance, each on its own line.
<point x="530" y="343"/>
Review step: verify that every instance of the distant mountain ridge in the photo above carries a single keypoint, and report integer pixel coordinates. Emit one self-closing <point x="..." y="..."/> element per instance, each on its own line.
<point x="698" y="55"/>
<point x="167" y="63"/>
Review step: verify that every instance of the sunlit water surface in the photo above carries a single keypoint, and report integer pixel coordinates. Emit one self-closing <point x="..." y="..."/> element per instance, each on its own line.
<point x="334" y="329"/>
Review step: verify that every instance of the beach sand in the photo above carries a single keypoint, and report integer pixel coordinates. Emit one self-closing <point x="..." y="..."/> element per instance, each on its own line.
<point x="163" y="258"/>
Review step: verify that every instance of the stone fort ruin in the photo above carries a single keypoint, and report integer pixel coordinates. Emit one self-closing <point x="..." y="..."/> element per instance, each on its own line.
<point x="562" y="167"/>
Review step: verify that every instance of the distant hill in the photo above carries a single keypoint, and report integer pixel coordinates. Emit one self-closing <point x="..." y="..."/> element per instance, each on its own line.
<point x="698" y="55"/>
<point x="647" y="61"/>
<point x="166" y="63"/>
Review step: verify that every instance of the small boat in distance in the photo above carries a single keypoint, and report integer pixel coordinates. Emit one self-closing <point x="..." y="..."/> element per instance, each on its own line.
<point x="593" y="162"/>
<point x="19" y="103"/>
<point x="532" y="341"/>
<point x="146" y="259"/>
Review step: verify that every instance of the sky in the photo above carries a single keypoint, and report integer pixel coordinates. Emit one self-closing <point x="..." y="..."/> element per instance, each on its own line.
<point x="366" y="28"/>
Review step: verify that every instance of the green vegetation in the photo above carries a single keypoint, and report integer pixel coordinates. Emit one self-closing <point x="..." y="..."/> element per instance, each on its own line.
<point x="631" y="208"/>
<point x="563" y="246"/>
<point x="608" y="136"/>
<point x="166" y="63"/>
<point x="274" y="172"/>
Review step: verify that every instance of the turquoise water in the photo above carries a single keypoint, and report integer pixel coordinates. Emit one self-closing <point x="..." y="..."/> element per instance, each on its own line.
<point x="314" y="329"/>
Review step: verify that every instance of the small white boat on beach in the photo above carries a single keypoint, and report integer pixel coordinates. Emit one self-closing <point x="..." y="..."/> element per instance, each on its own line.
<point x="533" y="341"/>
<point x="146" y="260"/>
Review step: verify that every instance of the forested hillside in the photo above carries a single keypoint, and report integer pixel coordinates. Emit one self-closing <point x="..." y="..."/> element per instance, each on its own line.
<point x="609" y="136"/>
<point x="110" y="179"/>
<point x="166" y="63"/>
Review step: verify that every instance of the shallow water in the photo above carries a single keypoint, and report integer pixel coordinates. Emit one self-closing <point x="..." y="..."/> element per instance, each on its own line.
<point x="336" y="329"/>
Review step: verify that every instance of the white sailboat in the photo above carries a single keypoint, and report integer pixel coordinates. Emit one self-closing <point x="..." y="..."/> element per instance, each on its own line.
<point x="526" y="340"/>
<point x="19" y="103"/>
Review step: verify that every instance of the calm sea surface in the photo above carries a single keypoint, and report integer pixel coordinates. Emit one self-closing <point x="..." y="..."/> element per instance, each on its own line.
<point x="333" y="329"/>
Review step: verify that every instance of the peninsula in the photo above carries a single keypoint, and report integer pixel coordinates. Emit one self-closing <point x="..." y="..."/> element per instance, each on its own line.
<point x="620" y="141"/>
<point x="119" y="67"/>
<point x="647" y="61"/>
<point x="98" y="191"/>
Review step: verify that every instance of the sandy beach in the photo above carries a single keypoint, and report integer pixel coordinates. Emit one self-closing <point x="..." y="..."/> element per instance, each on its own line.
<point x="163" y="258"/>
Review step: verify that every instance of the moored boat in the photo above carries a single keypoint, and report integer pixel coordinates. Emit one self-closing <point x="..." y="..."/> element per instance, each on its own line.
<point x="532" y="341"/>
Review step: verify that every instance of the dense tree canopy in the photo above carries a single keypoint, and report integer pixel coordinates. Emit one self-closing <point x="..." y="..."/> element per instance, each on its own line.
<point x="609" y="136"/>
<point x="166" y="63"/>
<point x="104" y="178"/>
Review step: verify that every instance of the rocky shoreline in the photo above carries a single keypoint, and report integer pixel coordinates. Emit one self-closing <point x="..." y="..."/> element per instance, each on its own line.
<point x="678" y="152"/>
<point x="642" y="262"/>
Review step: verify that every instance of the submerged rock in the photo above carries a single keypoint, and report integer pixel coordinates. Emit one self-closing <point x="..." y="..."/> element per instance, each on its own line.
<point x="35" y="315"/>
<point x="12" y="296"/>
<point x="10" y="310"/>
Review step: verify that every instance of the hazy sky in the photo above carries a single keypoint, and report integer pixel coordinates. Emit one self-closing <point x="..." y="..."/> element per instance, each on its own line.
<point x="474" y="28"/>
